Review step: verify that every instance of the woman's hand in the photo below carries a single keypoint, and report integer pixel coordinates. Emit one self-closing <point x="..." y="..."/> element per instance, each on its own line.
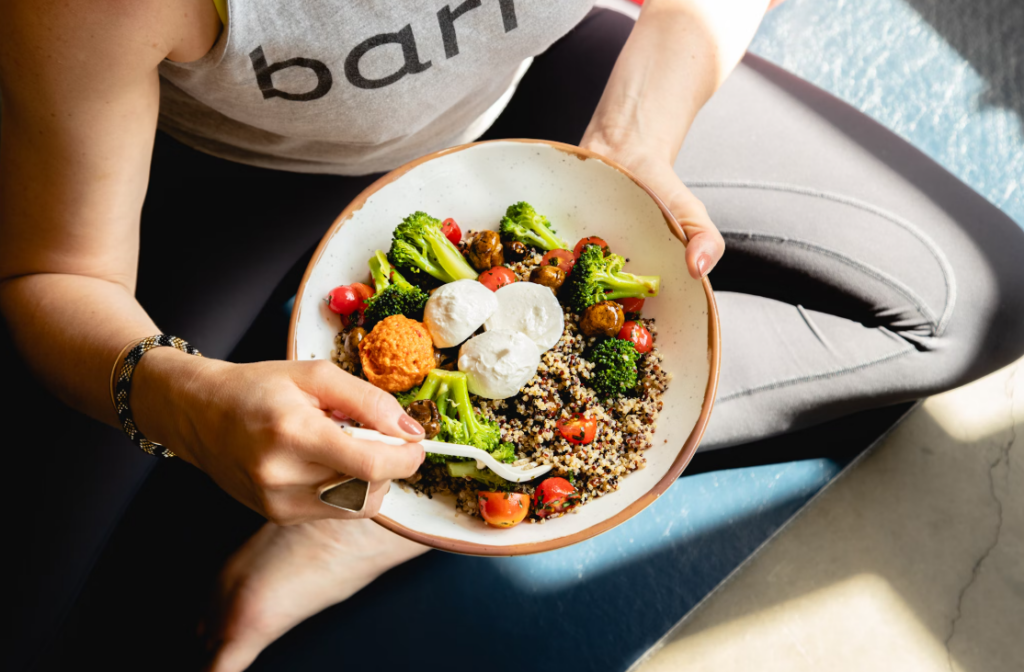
<point x="679" y="53"/>
<point x="704" y="244"/>
<point x="264" y="432"/>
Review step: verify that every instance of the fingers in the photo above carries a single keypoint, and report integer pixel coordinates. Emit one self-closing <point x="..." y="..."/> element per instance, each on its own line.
<point x="704" y="244"/>
<point x="364" y="403"/>
<point x="371" y="461"/>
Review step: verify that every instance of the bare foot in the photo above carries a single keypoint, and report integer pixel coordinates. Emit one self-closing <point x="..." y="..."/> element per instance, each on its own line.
<point x="284" y="575"/>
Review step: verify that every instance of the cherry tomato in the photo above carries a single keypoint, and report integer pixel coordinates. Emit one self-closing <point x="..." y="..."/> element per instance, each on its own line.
<point x="344" y="300"/>
<point x="451" y="231"/>
<point x="364" y="291"/>
<point x="577" y="429"/>
<point x="631" y="305"/>
<point x="503" y="509"/>
<point x="564" y="259"/>
<point x="636" y="332"/>
<point x="590" y="240"/>
<point x="554" y="495"/>
<point x="496" y="278"/>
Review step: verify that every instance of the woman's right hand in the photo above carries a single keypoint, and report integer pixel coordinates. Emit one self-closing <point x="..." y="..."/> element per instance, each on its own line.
<point x="264" y="432"/>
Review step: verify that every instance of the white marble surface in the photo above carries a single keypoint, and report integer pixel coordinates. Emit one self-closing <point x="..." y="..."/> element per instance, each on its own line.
<point x="912" y="561"/>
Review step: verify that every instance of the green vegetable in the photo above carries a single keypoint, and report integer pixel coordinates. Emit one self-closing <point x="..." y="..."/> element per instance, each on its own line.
<point x="418" y="246"/>
<point x="395" y="296"/>
<point x="524" y="224"/>
<point x="597" y="278"/>
<point x="460" y="423"/>
<point x="614" y="367"/>
<point x="485" y="476"/>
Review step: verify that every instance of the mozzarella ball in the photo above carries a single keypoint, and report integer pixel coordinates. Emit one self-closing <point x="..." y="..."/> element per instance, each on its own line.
<point x="530" y="309"/>
<point x="456" y="310"/>
<point x="498" y="363"/>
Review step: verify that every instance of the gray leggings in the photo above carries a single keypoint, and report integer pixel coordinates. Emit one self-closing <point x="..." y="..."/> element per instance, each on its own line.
<point x="858" y="273"/>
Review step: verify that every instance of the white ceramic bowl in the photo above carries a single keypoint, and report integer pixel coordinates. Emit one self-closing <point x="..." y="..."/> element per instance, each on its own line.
<point x="582" y="194"/>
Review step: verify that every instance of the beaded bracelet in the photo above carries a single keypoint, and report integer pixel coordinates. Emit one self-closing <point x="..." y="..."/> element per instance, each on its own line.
<point x="122" y="391"/>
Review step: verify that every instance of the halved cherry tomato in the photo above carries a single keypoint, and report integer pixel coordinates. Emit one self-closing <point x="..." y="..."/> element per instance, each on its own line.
<point x="631" y="305"/>
<point x="577" y="429"/>
<point x="636" y="332"/>
<point x="344" y="300"/>
<point x="364" y="291"/>
<point x="503" y="509"/>
<point x="554" y="495"/>
<point x="496" y="278"/>
<point x="590" y="240"/>
<point x="451" y="231"/>
<point x="564" y="259"/>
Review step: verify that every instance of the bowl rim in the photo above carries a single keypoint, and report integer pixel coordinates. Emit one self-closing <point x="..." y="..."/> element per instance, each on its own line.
<point x="685" y="454"/>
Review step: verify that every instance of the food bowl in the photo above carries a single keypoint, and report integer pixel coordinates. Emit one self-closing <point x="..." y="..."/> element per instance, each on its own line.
<point x="582" y="194"/>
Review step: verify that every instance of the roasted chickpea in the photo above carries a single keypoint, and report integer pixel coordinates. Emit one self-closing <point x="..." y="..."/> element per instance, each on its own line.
<point x="486" y="251"/>
<point x="425" y="412"/>
<point x="602" y="319"/>
<point x="549" y="276"/>
<point x="352" y="341"/>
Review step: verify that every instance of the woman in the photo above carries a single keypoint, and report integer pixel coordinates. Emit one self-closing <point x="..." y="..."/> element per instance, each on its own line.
<point x="860" y="273"/>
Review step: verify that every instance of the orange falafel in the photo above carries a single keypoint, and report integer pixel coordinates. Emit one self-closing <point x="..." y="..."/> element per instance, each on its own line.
<point x="398" y="354"/>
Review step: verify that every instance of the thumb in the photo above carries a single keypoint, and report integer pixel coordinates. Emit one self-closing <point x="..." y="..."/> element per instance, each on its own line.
<point x="704" y="244"/>
<point x="367" y="404"/>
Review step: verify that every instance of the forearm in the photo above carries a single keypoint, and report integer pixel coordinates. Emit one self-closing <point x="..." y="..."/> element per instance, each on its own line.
<point x="677" y="56"/>
<point x="70" y="329"/>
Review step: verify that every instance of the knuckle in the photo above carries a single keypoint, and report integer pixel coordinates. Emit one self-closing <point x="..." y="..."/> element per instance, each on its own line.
<point x="322" y="369"/>
<point x="370" y="465"/>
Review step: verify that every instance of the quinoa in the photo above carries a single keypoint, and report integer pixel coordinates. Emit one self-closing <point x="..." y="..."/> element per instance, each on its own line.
<point x="625" y="425"/>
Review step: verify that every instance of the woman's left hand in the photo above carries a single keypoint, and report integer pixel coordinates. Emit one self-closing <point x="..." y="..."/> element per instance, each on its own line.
<point x="704" y="244"/>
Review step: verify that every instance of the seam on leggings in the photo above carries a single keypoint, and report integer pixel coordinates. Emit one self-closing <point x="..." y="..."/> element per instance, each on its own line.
<point x="834" y="373"/>
<point x="883" y="277"/>
<point x="947" y="269"/>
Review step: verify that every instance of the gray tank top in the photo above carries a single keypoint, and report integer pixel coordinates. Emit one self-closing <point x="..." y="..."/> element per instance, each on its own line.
<point x="356" y="86"/>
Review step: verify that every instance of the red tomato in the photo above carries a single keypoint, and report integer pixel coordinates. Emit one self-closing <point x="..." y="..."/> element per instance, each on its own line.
<point x="496" y="278"/>
<point x="631" y="305"/>
<point x="364" y="291"/>
<point x="503" y="509"/>
<point x="577" y="429"/>
<point x="590" y="240"/>
<point x="564" y="259"/>
<point x="554" y="495"/>
<point x="344" y="300"/>
<point x="451" y="231"/>
<point x="636" y="332"/>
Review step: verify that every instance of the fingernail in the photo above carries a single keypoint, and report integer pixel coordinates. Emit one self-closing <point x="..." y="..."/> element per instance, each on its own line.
<point x="410" y="426"/>
<point x="703" y="264"/>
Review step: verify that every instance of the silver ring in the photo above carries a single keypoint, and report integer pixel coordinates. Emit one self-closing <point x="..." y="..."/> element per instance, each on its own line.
<point x="348" y="494"/>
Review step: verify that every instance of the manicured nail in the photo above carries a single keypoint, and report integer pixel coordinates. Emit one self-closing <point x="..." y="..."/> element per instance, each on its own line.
<point x="409" y="425"/>
<point x="703" y="264"/>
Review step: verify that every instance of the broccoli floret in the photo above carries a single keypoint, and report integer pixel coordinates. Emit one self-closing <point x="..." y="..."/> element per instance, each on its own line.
<point x="418" y="246"/>
<point x="524" y="224"/>
<point x="614" y="367"/>
<point x="395" y="296"/>
<point x="485" y="476"/>
<point x="460" y="423"/>
<point x="505" y="452"/>
<point x="597" y="278"/>
<point x="406" y="398"/>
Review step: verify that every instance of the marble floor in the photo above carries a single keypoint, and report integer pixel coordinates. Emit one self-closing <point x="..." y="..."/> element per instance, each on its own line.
<point x="911" y="561"/>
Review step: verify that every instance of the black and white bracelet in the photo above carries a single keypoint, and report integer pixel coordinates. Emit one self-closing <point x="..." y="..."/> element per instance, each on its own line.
<point x="123" y="388"/>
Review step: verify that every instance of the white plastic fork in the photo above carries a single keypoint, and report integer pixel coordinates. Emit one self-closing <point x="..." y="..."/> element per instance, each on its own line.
<point x="506" y="471"/>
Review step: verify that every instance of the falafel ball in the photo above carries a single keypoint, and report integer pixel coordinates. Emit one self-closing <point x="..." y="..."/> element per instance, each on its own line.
<point x="398" y="354"/>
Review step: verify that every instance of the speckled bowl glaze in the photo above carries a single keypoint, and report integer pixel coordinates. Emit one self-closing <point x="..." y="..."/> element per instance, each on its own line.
<point x="582" y="194"/>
